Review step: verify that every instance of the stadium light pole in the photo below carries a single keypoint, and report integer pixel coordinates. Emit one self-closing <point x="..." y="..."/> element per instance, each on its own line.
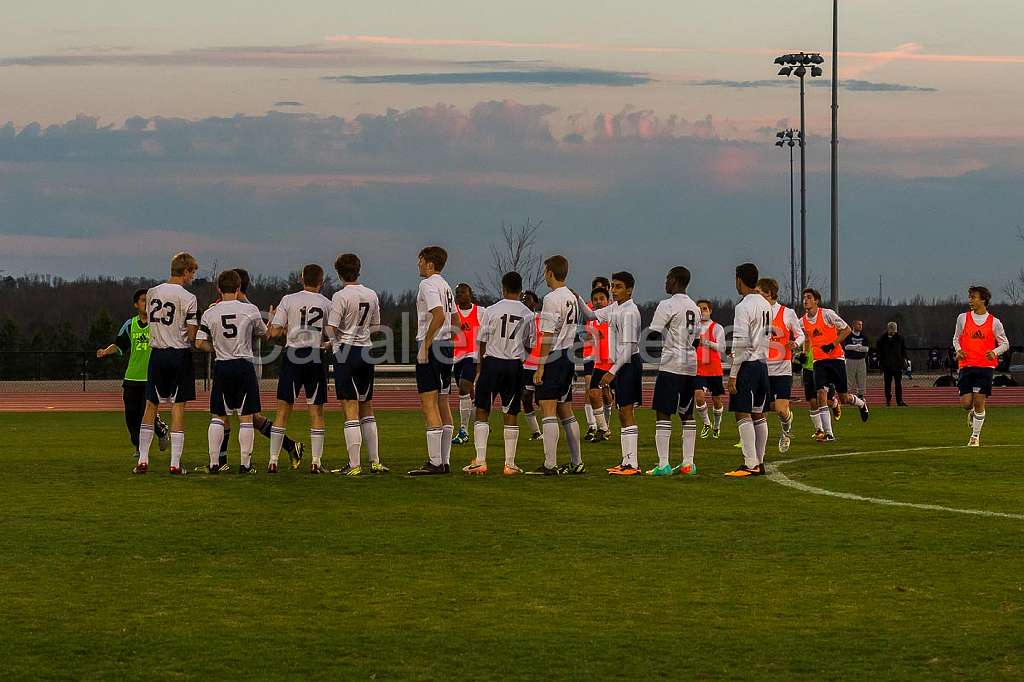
<point x="835" y="155"/>
<point x="791" y="138"/>
<point x="801" y="64"/>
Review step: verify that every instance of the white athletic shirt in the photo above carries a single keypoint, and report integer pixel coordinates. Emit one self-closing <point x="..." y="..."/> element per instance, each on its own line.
<point x="677" y="319"/>
<point x="623" y="330"/>
<point x="304" y="315"/>
<point x="230" y="326"/>
<point x="784" y="368"/>
<point x="961" y="321"/>
<point x="172" y="310"/>
<point x="560" y="317"/>
<point x="355" y="311"/>
<point x="434" y="292"/>
<point x="508" y="330"/>
<point x="752" y="323"/>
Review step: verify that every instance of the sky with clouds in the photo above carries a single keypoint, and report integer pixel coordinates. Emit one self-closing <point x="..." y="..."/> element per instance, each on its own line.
<point x="271" y="134"/>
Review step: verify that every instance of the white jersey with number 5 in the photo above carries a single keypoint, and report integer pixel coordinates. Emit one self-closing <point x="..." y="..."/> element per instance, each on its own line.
<point x="508" y="330"/>
<point x="304" y="315"/>
<point x="434" y="292"/>
<point x="355" y="311"/>
<point x="677" y="319"/>
<point x="752" y="329"/>
<point x="560" y="317"/>
<point x="230" y="326"/>
<point x="172" y="310"/>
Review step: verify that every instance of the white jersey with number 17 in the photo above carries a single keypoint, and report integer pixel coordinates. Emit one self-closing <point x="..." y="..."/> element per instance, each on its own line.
<point x="508" y="330"/>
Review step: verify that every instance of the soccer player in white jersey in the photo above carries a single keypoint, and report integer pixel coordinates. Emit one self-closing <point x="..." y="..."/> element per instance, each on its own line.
<point x="787" y="335"/>
<point x="227" y="330"/>
<point x="531" y="301"/>
<point x="824" y="333"/>
<point x="354" y="316"/>
<point x="979" y="341"/>
<point x="678" y="320"/>
<point x="749" y="385"/>
<point x="173" y="323"/>
<point x="435" y="305"/>
<point x="506" y="332"/>
<point x="301" y="317"/>
<point x="465" y="323"/>
<point x="626" y="373"/>
<point x="559" y="322"/>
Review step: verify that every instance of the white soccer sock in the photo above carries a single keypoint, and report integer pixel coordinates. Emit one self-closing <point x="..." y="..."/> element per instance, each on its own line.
<point x="702" y="410"/>
<point x="178" y="445"/>
<point x="434" y="437"/>
<point x="316" y="441"/>
<point x="979" y="421"/>
<point x="466" y="412"/>
<point x="748" y="440"/>
<point x="602" y="423"/>
<point x="276" y="441"/>
<point x="716" y="422"/>
<point x="588" y="410"/>
<point x="531" y="419"/>
<point x="481" y="432"/>
<point x="511" y="441"/>
<point x="145" y="442"/>
<point x="550" y="427"/>
<point x="608" y="413"/>
<point x="369" y="426"/>
<point x="353" y="442"/>
<point x="246" y="442"/>
<point x="826" y="420"/>
<point x="856" y="401"/>
<point x="761" y="439"/>
<point x="572" y="439"/>
<point x="628" y="438"/>
<point x="689" y="441"/>
<point x="663" y="440"/>
<point x="815" y="416"/>
<point x="446" y="443"/>
<point x="215" y="436"/>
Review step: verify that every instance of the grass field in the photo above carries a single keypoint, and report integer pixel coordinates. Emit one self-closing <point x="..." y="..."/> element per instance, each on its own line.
<point x="108" y="575"/>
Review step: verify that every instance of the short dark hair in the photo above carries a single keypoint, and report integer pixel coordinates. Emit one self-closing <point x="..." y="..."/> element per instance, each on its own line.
<point x="531" y="295"/>
<point x="599" y="290"/>
<point x="624" y="277"/>
<point x="600" y="282"/>
<point x="435" y="255"/>
<point x="312" y="275"/>
<point x="813" y="292"/>
<point x="139" y="293"/>
<point x="229" y="282"/>
<point x="463" y="285"/>
<point x="705" y="302"/>
<point x="348" y="265"/>
<point x="981" y="291"/>
<point x="680" y="276"/>
<point x="558" y="266"/>
<point x="769" y="286"/>
<point x="512" y="282"/>
<point x="747" y="273"/>
<point x="243" y="274"/>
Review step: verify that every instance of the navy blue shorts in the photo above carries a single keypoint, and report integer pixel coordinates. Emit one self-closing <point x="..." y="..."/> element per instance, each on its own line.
<point x="588" y="367"/>
<point x="752" y="388"/>
<point x="976" y="380"/>
<point x="781" y="388"/>
<point x="559" y="372"/>
<point x="673" y="393"/>
<point x="436" y="373"/>
<point x="713" y="386"/>
<point x="595" y="377"/>
<point x="629" y="383"/>
<point x="830" y="372"/>
<point x="353" y="373"/>
<point x="302" y="369"/>
<point x="502" y="379"/>
<point x="465" y="369"/>
<point x="236" y="389"/>
<point x="810" y="391"/>
<point x="171" y="376"/>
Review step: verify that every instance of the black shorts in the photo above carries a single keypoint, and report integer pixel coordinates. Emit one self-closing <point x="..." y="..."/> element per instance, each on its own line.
<point x="465" y="369"/>
<point x="559" y="371"/>
<point x="752" y="388"/>
<point x="588" y="368"/>
<point x="436" y="373"/>
<point x="629" y="383"/>
<point x="171" y="376"/>
<point x="810" y="391"/>
<point x="302" y="369"/>
<point x="673" y="393"/>
<point x="500" y="379"/>
<point x="976" y="380"/>
<point x="830" y="372"/>
<point x="236" y="389"/>
<point x="595" y="377"/>
<point x="353" y="373"/>
<point x="781" y="388"/>
<point x="528" y="378"/>
<point x="713" y="386"/>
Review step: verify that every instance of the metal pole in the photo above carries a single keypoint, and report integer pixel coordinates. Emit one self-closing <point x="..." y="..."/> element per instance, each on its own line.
<point x="835" y="154"/>
<point x="792" y="231"/>
<point x="803" y="190"/>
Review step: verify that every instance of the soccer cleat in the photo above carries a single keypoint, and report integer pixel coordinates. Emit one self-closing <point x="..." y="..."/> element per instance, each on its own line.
<point x="716" y="433"/>
<point x="627" y="470"/>
<point x="614" y="468"/>
<point x="429" y="469"/>
<point x="744" y="472"/>
<point x="738" y="445"/>
<point x="544" y="471"/>
<point x="591" y="432"/>
<point x="602" y="436"/>
<point x="317" y="468"/>
<point x="784" y="442"/>
<point x="974" y="442"/>
<point x="242" y="469"/>
<point x="461" y="438"/>
<point x="819" y="436"/>
<point x="348" y="470"/>
<point x="212" y="469"/>
<point x="572" y="469"/>
<point x="864" y="413"/>
<point x="378" y="468"/>
<point x="447" y="468"/>
<point x="837" y="411"/>
<point x="705" y="431"/>
<point x="666" y="470"/>
<point x="829" y="438"/>
<point x="140" y="468"/>
<point x="272" y="468"/>
<point x="295" y="457"/>
<point x="164" y="441"/>
<point x="536" y="435"/>
<point x="687" y="470"/>
<point x="511" y="470"/>
<point x="177" y="471"/>
<point x="475" y="469"/>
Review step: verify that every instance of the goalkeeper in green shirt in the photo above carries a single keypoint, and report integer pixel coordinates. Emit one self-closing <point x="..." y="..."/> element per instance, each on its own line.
<point x="133" y="340"/>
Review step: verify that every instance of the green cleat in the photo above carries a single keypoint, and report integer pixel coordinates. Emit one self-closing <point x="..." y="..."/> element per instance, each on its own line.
<point x="706" y="431"/>
<point x="666" y="470"/>
<point x="461" y="438"/>
<point x="572" y="469"/>
<point x="378" y="468"/>
<point x="716" y="433"/>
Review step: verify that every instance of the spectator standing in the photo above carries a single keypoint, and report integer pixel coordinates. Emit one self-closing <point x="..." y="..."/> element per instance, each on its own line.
<point x="892" y="356"/>
<point x="857" y="347"/>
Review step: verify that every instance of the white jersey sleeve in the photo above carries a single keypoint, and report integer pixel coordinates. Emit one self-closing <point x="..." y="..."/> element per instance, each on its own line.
<point x="433" y="293"/>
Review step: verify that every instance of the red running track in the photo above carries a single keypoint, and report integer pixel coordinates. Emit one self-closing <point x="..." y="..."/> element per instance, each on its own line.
<point x="405" y="398"/>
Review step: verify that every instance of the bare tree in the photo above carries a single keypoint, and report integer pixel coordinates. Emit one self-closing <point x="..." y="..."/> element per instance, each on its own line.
<point x="516" y="251"/>
<point x="1014" y="289"/>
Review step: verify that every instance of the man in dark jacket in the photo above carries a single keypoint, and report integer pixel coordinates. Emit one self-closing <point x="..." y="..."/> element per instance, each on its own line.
<point x="892" y="356"/>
